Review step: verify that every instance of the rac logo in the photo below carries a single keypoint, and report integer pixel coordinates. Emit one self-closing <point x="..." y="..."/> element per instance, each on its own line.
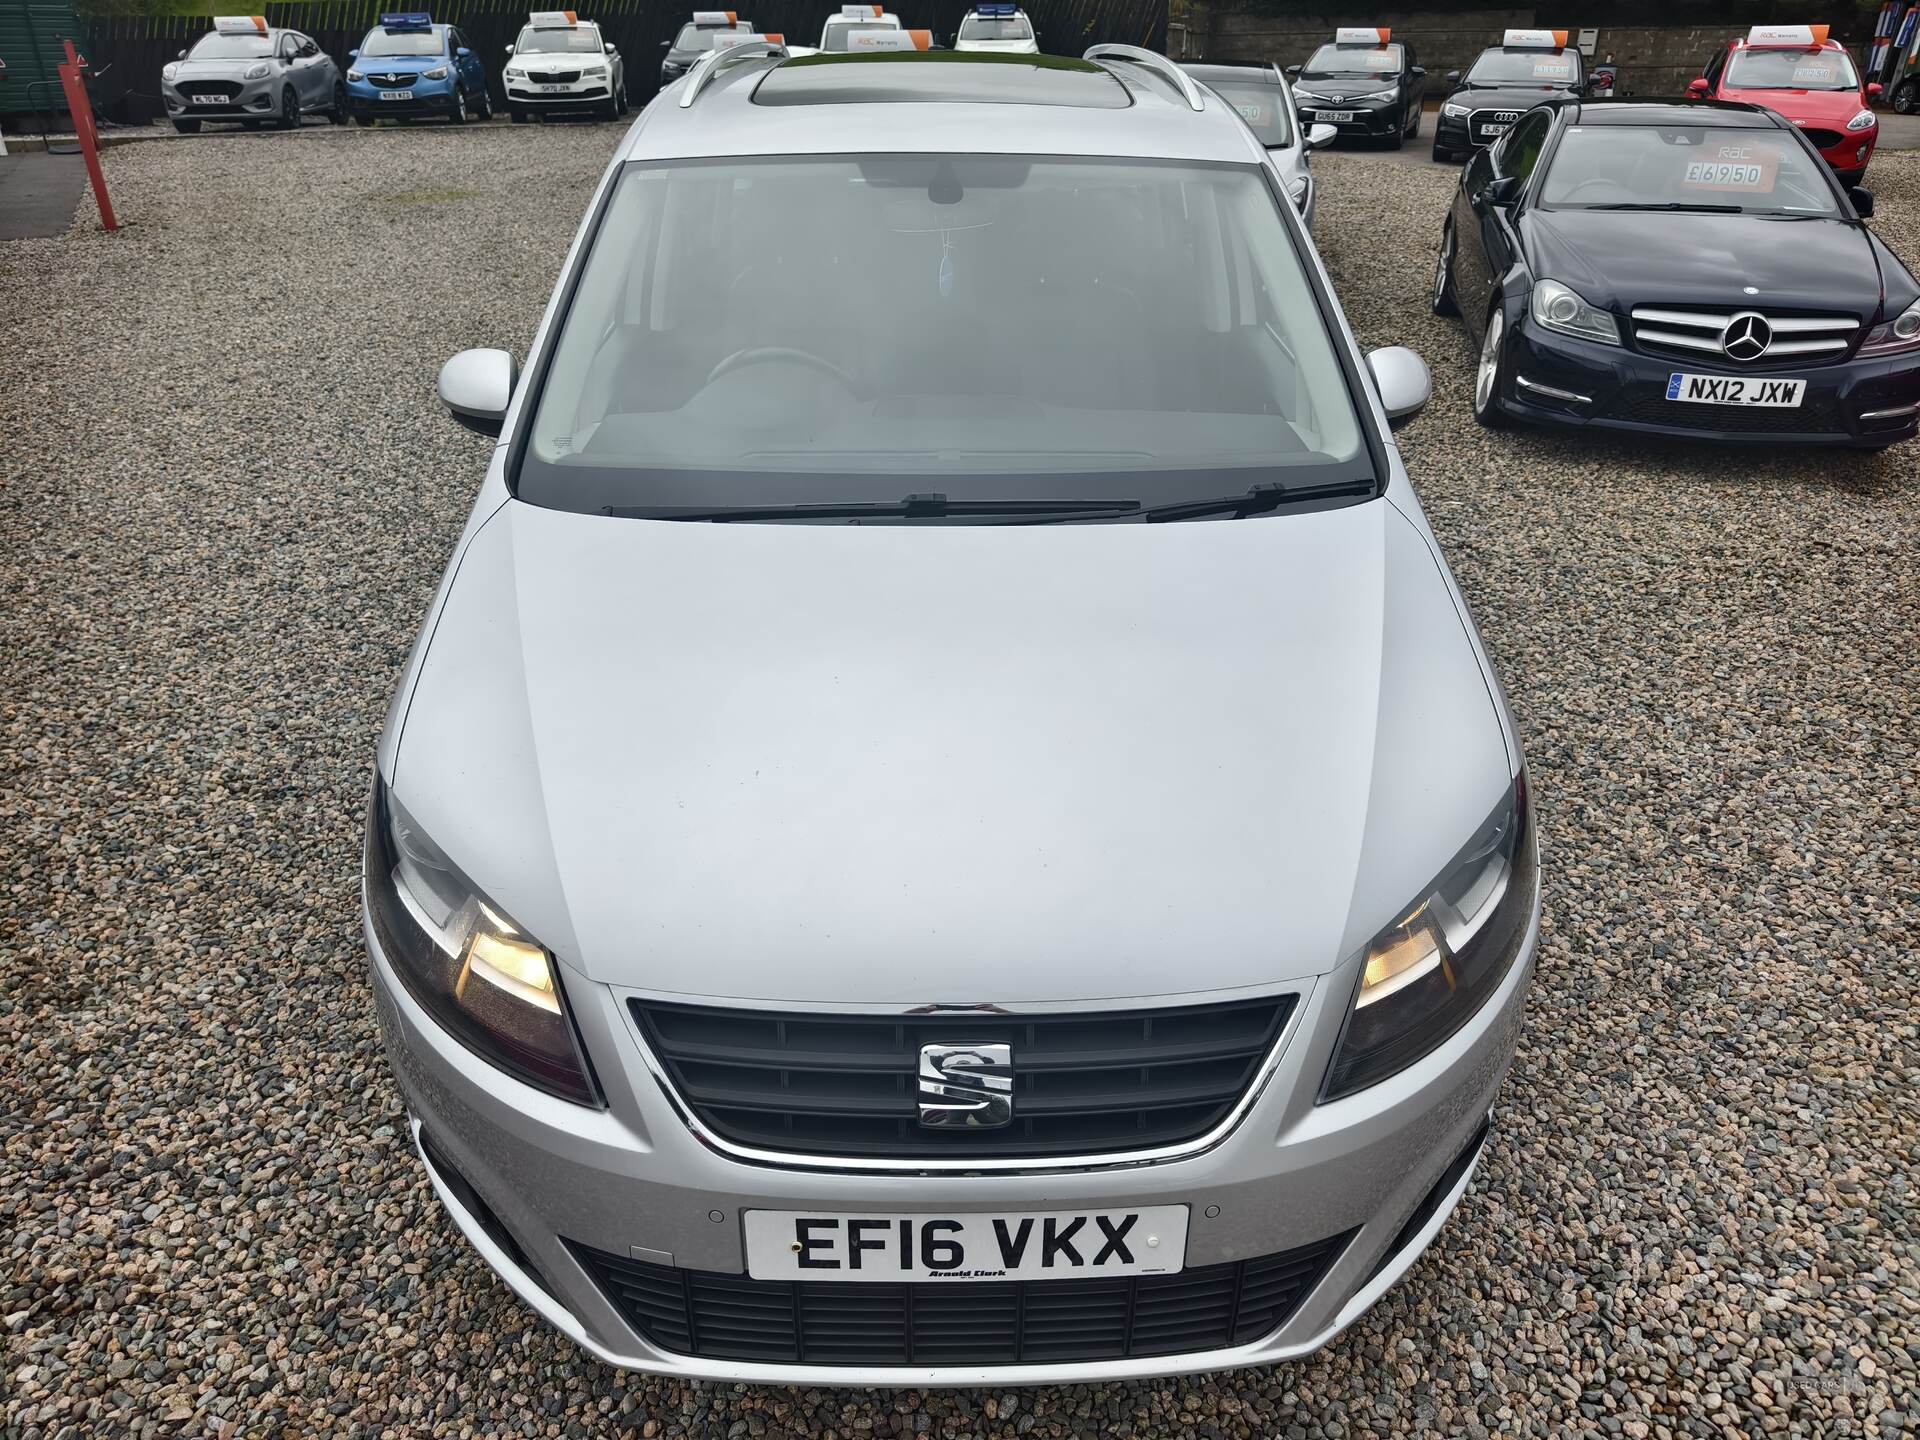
<point x="966" y="1087"/>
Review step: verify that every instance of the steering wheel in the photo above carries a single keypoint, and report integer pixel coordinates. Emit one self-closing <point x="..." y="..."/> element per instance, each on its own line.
<point x="780" y="354"/>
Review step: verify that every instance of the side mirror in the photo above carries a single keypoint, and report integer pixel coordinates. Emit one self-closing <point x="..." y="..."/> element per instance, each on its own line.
<point x="1699" y="89"/>
<point x="1862" y="199"/>
<point x="1293" y="72"/>
<point x="353" y="54"/>
<point x="1319" y="137"/>
<point x="1418" y="72"/>
<point x="1453" y="77"/>
<point x="183" y="54"/>
<point x="664" y="45"/>
<point x="1875" y="90"/>
<point x="509" y="49"/>
<point x="1404" y="382"/>
<point x="462" y="53"/>
<point x="476" y="386"/>
<point x="1503" y="191"/>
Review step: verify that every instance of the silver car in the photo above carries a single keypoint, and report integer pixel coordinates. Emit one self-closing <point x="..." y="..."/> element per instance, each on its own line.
<point x="1265" y="101"/>
<point x="947" y="824"/>
<point x="248" y="71"/>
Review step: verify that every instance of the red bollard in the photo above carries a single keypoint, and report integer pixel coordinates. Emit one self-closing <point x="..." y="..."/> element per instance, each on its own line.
<point x="81" y="109"/>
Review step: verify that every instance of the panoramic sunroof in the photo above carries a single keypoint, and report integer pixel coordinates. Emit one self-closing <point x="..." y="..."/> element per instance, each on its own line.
<point x="926" y="78"/>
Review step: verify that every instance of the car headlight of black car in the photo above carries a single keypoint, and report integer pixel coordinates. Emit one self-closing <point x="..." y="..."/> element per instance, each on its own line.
<point x="1897" y="336"/>
<point x="1382" y="96"/>
<point x="1455" y="112"/>
<point x="476" y="972"/>
<point x="1426" y="974"/>
<point x="1558" y="307"/>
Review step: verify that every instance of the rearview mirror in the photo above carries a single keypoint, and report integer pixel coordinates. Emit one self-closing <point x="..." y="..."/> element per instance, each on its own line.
<point x="1862" y="199"/>
<point x="1319" y="137"/>
<point x="476" y="387"/>
<point x="1403" y="380"/>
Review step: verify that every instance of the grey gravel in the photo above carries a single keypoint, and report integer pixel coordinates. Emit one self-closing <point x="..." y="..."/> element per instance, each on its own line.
<point x="225" y="497"/>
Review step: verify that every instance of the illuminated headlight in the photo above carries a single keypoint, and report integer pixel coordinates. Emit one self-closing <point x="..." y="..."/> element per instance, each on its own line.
<point x="515" y="72"/>
<point x="1863" y="121"/>
<point x="1425" y="975"/>
<point x="439" y="72"/>
<point x="1457" y="111"/>
<point x="1896" y="336"/>
<point x="1555" y="307"/>
<point x="1382" y="95"/>
<point x="167" y="72"/>
<point x="355" y="75"/>
<point x="477" y="973"/>
<point x="257" y="72"/>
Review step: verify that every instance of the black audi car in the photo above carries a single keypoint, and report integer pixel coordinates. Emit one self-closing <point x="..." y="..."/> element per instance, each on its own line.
<point x="1366" y="88"/>
<point x="1527" y="67"/>
<point x="1690" y="270"/>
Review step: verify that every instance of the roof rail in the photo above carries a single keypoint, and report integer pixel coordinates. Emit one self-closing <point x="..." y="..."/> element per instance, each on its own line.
<point x="1153" y="60"/>
<point x="708" y="67"/>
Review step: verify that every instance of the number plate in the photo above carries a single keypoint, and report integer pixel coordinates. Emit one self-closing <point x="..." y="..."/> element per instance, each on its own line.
<point x="209" y="99"/>
<point x="553" y="89"/>
<point x="1333" y="117"/>
<point x="396" y="94"/>
<point x="1493" y="130"/>
<point x="1735" y="390"/>
<point x="1052" y="1245"/>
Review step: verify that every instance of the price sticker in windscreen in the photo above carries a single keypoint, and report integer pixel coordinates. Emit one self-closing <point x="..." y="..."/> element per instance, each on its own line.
<point x="1549" y="67"/>
<point x="1744" y="168"/>
<point x="1815" y="73"/>
<point x="1253" y="112"/>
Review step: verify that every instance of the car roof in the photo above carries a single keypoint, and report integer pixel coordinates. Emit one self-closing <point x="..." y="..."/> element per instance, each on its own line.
<point x="860" y="104"/>
<point x="1730" y="113"/>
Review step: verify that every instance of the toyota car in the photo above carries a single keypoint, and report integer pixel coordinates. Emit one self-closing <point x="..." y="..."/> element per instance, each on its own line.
<point x="1690" y="270"/>
<point x="1506" y="81"/>
<point x="1365" y="84"/>
<point x="947" y="824"/>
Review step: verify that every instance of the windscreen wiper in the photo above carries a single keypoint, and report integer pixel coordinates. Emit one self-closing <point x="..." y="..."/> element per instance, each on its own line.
<point x="1256" y="500"/>
<point x="1670" y="205"/>
<point x="912" y="507"/>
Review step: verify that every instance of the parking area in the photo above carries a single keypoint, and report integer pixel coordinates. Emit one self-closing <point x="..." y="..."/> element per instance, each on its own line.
<point x="226" y="495"/>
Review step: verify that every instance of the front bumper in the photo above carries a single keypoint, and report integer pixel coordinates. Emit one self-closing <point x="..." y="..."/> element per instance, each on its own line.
<point x="1371" y="119"/>
<point x="1453" y="132"/>
<point x="1849" y="156"/>
<point x="522" y="1174"/>
<point x="589" y="91"/>
<point x="238" y="99"/>
<point x="424" y="98"/>
<point x="1852" y="402"/>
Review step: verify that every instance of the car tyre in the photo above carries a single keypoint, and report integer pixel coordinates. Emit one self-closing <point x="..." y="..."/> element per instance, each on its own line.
<point x="1419" y="119"/>
<point x="612" y="112"/>
<point x="457" y="110"/>
<point x="1444" y="300"/>
<point x="361" y="117"/>
<point x="1397" y="139"/>
<point x="1442" y="155"/>
<point x="187" y="127"/>
<point x="338" y="114"/>
<point x="289" y="116"/>
<point x="624" y="105"/>
<point x="485" y="108"/>
<point x="1906" y="97"/>
<point x="1489" y="374"/>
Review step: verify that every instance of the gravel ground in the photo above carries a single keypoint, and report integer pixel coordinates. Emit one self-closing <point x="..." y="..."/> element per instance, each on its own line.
<point x="225" y="497"/>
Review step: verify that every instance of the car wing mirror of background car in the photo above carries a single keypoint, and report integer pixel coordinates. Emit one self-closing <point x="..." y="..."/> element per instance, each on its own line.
<point x="1418" y="72"/>
<point x="1453" y="77"/>
<point x="1292" y="70"/>
<point x="1699" y="87"/>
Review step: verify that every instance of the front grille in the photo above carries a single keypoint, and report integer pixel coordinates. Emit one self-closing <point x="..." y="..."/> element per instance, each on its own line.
<point x="1822" y="139"/>
<point x="1479" y="121"/>
<point x="392" y="81"/>
<point x="1001" y="1322"/>
<point x="1084" y="1082"/>
<point x="557" y="77"/>
<point x="1818" y="416"/>
<point x="1799" y="337"/>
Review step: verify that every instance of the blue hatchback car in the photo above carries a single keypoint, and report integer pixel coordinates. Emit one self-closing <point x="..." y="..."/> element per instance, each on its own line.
<point x="408" y="68"/>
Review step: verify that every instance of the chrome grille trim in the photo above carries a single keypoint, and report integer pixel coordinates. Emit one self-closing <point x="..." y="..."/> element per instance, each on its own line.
<point x="1699" y="332"/>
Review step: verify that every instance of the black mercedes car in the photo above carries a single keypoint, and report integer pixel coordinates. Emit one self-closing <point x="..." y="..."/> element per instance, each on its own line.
<point x="1527" y="67"/>
<point x="1679" y="269"/>
<point x="1365" y="89"/>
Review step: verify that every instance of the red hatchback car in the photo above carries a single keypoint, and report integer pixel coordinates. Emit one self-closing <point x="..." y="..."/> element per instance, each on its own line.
<point x="1811" y="80"/>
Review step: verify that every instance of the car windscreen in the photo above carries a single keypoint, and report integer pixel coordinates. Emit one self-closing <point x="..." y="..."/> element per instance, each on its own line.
<point x="231" y="47"/>
<point x="400" y="42"/>
<point x="576" y="41"/>
<point x="836" y="39"/>
<point x="1546" y="68"/>
<point x="1382" y="60"/>
<point x="1613" y="167"/>
<point x="990" y="27"/>
<point x="832" y="329"/>
<point x="1263" y="107"/>
<point x="700" y="37"/>
<point x="1791" y="70"/>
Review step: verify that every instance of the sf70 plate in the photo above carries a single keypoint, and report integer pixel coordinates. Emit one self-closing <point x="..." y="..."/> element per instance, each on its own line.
<point x="1735" y="390"/>
<point x="1052" y="1245"/>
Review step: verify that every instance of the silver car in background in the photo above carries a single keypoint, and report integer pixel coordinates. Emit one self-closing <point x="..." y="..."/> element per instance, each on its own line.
<point x="1264" y="99"/>
<point x="247" y="71"/>
<point x="947" y="824"/>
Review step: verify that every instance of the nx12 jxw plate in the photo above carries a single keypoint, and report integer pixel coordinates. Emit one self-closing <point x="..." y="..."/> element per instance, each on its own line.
<point x="1734" y="390"/>
<point x="1057" y="1245"/>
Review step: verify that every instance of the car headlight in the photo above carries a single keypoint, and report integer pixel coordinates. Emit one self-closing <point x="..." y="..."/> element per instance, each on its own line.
<point x="1457" y="111"/>
<point x="355" y="75"/>
<point x="482" y="977"/>
<point x="593" y="68"/>
<point x="1555" y="307"/>
<point x="1863" y="121"/>
<point x="514" y="72"/>
<point x="1425" y="975"/>
<point x="1382" y="95"/>
<point x="257" y="72"/>
<point x="439" y="72"/>
<point x="168" y="71"/>
<point x="1895" y="336"/>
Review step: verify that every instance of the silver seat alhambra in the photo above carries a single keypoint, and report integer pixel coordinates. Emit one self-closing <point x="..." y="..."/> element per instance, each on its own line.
<point x="947" y="823"/>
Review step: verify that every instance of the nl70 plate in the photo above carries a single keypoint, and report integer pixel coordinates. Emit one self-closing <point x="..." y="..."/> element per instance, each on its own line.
<point x="1055" y="1245"/>
<point x="1735" y="390"/>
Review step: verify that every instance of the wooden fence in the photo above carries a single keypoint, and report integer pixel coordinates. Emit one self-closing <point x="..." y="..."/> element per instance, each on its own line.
<point x="127" y="50"/>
